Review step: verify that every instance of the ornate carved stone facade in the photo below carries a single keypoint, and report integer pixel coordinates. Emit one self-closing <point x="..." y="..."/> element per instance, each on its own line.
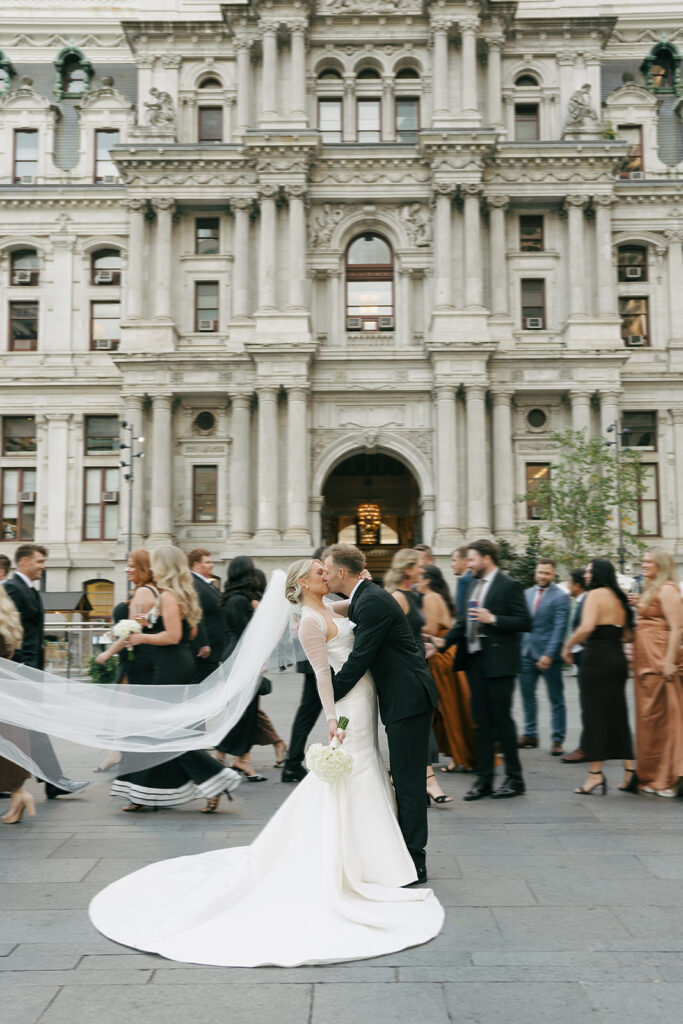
<point x="521" y="167"/>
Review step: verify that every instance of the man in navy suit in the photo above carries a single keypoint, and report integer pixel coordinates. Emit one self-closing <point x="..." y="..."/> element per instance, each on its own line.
<point x="541" y="655"/>
<point x="463" y="576"/>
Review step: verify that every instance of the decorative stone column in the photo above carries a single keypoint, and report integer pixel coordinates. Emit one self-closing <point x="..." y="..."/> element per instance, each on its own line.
<point x="443" y="298"/>
<point x="606" y="278"/>
<point x="404" y="309"/>
<point x="478" y="520"/>
<point x="267" y="291"/>
<point x="296" y="194"/>
<point x="243" y="47"/>
<point x="581" y="410"/>
<point x="494" y="97"/>
<point x="240" y="302"/>
<point x="388" y="111"/>
<point x="499" y="277"/>
<point x="675" y="258"/>
<point x="61" y="335"/>
<point x="297" y="466"/>
<point x="240" y="468"/>
<point x="164" y="208"/>
<point x="58" y="425"/>
<point x="677" y="422"/>
<point x="349" y="109"/>
<point x="161" y="512"/>
<point x="267" y="466"/>
<point x="440" y="27"/>
<point x="609" y="412"/>
<point x="446" y="468"/>
<point x="503" y="462"/>
<point x="298" y="72"/>
<point x="468" y="32"/>
<point x="337" y="327"/>
<point x="269" y="74"/>
<point x="575" y="205"/>
<point x="135" y="278"/>
<point x="473" y="262"/>
<point x="133" y="413"/>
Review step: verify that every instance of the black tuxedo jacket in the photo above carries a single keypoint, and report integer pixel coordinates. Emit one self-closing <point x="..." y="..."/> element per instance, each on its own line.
<point x="211" y="628"/>
<point x="30" y="607"/>
<point x="384" y="645"/>
<point x="500" y="641"/>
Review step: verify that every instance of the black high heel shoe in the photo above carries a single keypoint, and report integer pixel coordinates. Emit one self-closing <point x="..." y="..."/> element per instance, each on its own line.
<point x="632" y="784"/>
<point x="594" y="789"/>
<point x="442" y="799"/>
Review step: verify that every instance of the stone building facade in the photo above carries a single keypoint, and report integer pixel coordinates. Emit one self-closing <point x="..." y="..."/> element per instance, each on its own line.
<point x="327" y="255"/>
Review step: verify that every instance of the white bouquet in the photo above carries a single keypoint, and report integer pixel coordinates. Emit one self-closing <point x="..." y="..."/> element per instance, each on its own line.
<point x="125" y="628"/>
<point x="331" y="764"/>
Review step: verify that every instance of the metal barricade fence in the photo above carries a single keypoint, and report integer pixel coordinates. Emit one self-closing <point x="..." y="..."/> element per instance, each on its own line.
<point x="69" y="647"/>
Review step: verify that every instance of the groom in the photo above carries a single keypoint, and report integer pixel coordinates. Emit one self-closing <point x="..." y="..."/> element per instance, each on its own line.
<point x="384" y="645"/>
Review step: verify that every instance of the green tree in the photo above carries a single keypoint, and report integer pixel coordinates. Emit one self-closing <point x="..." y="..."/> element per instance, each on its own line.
<point x="522" y="565"/>
<point x="592" y="488"/>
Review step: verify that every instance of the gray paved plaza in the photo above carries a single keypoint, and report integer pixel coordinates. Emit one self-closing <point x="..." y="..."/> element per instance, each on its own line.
<point x="559" y="908"/>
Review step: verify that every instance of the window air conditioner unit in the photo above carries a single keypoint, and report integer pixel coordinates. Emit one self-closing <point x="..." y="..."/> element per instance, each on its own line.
<point x="637" y="175"/>
<point x="207" y="325"/>
<point x="22" y="276"/>
<point x="635" y="340"/>
<point x="27" y="179"/>
<point x="634" y="273"/>
<point x="535" y="514"/>
<point x="110" y="497"/>
<point x="103" y="344"/>
<point x="386" y="323"/>
<point x="26" y="497"/>
<point x="534" y="323"/>
<point x="353" y="323"/>
<point x="104" y="277"/>
<point x="110" y="179"/>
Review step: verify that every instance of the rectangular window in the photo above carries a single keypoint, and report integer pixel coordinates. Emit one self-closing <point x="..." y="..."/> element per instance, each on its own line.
<point x="369" y="120"/>
<point x="23" y="326"/>
<point x="25" y="155"/>
<point x="648" y="506"/>
<point x="370" y="305"/>
<point x="330" y="120"/>
<point x="18" y="435"/>
<point x="204" y="494"/>
<point x="633" y="161"/>
<point x="531" y="234"/>
<point x="526" y="122"/>
<point x="634" y="321"/>
<point x="206" y="306"/>
<point x="207" y="236"/>
<point x="105" y="168"/>
<point x="631" y="263"/>
<point x="535" y="473"/>
<point x="18" y="504"/>
<point x="639" y="430"/>
<point x="101" y="505"/>
<point x="407" y="120"/>
<point x="101" y="435"/>
<point x="210" y="124"/>
<point x="105" y="326"/>
<point x="533" y="304"/>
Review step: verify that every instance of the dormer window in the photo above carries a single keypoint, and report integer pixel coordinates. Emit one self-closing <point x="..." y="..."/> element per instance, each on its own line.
<point x="7" y="72"/>
<point x="662" y="69"/>
<point x="74" y="72"/>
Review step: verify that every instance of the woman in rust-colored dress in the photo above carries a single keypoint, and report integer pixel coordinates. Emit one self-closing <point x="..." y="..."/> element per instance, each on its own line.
<point x="658" y="677"/>
<point x="453" y="726"/>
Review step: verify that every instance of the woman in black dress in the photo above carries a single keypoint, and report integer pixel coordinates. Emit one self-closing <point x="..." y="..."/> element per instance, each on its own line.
<point x="195" y="773"/>
<point x="13" y="776"/>
<point x="606" y="624"/>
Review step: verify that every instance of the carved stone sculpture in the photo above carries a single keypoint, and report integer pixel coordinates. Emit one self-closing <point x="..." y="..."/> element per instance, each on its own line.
<point x="580" y="109"/>
<point x="161" y="110"/>
<point x="418" y="224"/>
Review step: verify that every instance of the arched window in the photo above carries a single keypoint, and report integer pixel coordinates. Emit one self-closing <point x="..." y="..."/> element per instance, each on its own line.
<point x="210" y="83"/>
<point x="632" y="263"/>
<point x="74" y="73"/>
<point x="366" y="73"/>
<point x="662" y="69"/>
<point x="526" y="81"/>
<point x="329" y="75"/>
<point x="407" y="73"/>
<point x="330" y="105"/>
<point x="25" y="267"/>
<point x="106" y="267"/>
<point x="369" y="284"/>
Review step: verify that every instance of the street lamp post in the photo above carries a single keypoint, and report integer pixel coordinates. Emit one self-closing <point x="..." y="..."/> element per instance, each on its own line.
<point x="618" y="443"/>
<point x="129" y="443"/>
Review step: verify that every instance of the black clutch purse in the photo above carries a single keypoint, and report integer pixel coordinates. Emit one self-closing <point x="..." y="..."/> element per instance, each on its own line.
<point x="266" y="687"/>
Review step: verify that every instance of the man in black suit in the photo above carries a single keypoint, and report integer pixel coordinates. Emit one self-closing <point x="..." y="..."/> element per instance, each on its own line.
<point x="487" y="632"/>
<point x="30" y="566"/>
<point x="384" y="645"/>
<point x="210" y="638"/>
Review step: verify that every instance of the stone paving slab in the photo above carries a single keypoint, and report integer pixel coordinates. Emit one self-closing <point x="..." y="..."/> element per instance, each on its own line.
<point x="379" y="1004"/>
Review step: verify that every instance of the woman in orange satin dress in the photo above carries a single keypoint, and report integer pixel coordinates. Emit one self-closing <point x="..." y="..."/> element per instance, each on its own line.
<point x="453" y="726"/>
<point x="658" y="677"/>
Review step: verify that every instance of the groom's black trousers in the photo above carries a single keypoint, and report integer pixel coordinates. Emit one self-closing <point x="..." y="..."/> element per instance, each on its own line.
<point x="408" y="744"/>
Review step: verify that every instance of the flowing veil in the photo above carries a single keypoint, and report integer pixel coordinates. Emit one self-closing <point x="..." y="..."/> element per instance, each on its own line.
<point x="149" y="724"/>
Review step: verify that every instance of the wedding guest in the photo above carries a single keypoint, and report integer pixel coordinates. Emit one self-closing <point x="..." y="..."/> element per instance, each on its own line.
<point x="453" y="726"/>
<point x="211" y="629"/>
<point x="4" y="568"/>
<point x="13" y="776"/>
<point x="463" y="577"/>
<point x="577" y="592"/>
<point x="427" y="554"/>
<point x="606" y="624"/>
<point x="140" y="669"/>
<point x="658" y="677"/>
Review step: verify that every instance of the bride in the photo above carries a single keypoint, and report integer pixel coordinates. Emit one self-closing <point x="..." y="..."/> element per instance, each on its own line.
<point x="325" y="879"/>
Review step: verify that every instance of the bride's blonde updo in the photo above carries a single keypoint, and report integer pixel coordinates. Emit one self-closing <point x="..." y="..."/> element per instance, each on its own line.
<point x="297" y="571"/>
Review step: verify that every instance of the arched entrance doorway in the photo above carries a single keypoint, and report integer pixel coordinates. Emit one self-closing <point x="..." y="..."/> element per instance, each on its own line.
<point x="373" y="501"/>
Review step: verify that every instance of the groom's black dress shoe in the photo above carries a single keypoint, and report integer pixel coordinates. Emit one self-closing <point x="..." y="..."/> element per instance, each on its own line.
<point x="479" y="789"/>
<point x="65" y="788"/>
<point x="510" y="788"/>
<point x="421" y="877"/>
<point x="295" y="774"/>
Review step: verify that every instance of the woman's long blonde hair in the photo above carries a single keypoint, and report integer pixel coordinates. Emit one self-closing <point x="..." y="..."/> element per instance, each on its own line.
<point x="11" y="630"/>
<point x="404" y="559"/>
<point x="666" y="573"/>
<point x="171" y="572"/>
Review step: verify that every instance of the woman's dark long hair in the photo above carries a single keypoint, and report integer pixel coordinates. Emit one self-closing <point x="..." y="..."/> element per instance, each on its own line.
<point x="242" y="579"/>
<point x="436" y="582"/>
<point x="603" y="574"/>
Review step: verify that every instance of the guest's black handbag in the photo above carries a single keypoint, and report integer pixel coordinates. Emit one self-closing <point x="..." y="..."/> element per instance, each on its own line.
<point x="266" y="687"/>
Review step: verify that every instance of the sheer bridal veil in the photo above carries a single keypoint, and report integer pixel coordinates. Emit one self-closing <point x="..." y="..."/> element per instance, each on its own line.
<point x="148" y="724"/>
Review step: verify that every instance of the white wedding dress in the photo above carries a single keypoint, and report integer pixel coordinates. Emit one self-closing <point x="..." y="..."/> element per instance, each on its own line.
<point x="320" y="884"/>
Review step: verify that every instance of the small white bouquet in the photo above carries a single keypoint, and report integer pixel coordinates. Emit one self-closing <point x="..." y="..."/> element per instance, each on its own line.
<point x="125" y="628"/>
<point x="331" y="764"/>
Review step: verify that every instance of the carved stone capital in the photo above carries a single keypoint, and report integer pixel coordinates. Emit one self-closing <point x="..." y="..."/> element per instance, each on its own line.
<point x="136" y="205"/>
<point x="502" y="396"/>
<point x="472" y="190"/>
<point x="171" y="60"/>
<point x="606" y="201"/>
<point x="163" y="204"/>
<point x="468" y="24"/>
<point x="498" y="202"/>
<point x="577" y="201"/>
<point x="241" y="203"/>
<point x="296" y="191"/>
<point x="267" y="190"/>
<point x="567" y="58"/>
<point x="443" y="189"/>
<point x="495" y="41"/>
<point x="440" y="24"/>
<point x="674" y="236"/>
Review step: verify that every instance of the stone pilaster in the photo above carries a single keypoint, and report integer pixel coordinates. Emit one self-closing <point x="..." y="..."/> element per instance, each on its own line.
<point x="605" y="271"/>
<point x="267" y="466"/>
<point x="447" y="532"/>
<point x="244" y="91"/>
<point x="441" y="113"/>
<point x="443" y="291"/>
<point x="135" y="278"/>
<point x="468" y="35"/>
<point x="298" y="72"/>
<point x="473" y="262"/>
<point x="269" y="73"/>
<point x="267" y="291"/>
<point x="298" y="456"/>
<point x="576" y="204"/>
<point x="581" y="410"/>
<point x="503" y="462"/>
<point x="609" y="412"/>
<point x="478" y="519"/>
<point x="499" y="277"/>
<point x="494" y="44"/>
<point x="133" y="414"/>
<point x="296" y="194"/>
<point x="240" y="301"/>
<point x="161" y="512"/>
<point x="164" y="208"/>
<point x="240" y="468"/>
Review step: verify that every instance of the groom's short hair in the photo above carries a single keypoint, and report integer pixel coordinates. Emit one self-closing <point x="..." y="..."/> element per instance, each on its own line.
<point x="347" y="556"/>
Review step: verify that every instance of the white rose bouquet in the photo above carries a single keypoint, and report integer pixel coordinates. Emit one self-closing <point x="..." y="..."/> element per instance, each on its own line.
<point x="125" y="628"/>
<point x="331" y="764"/>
